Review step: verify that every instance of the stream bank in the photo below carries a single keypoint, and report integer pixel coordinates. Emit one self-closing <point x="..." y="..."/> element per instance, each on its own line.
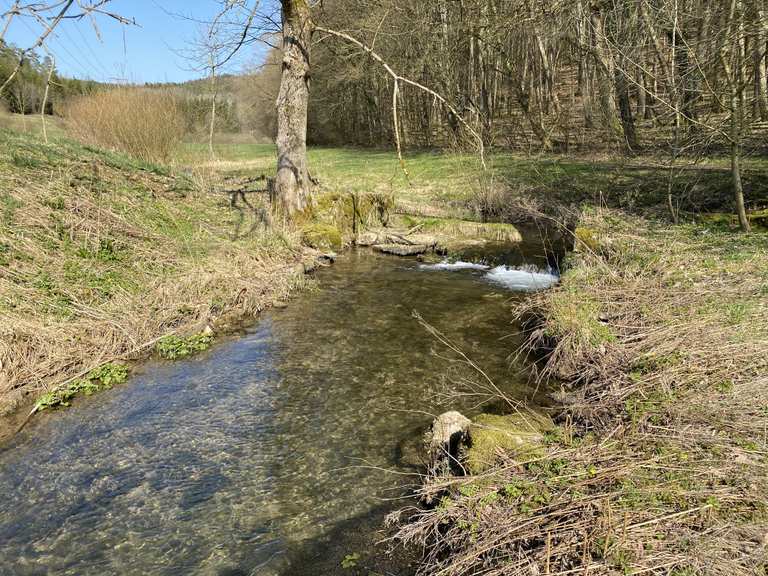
<point x="102" y="254"/>
<point x="658" y="338"/>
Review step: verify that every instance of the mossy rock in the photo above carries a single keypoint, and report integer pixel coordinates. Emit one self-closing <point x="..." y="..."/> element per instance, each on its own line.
<point x="520" y="435"/>
<point x="322" y="236"/>
<point x="340" y="209"/>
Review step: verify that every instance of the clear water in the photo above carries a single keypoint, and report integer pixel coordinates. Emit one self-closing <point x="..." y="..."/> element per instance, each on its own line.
<point x="277" y="452"/>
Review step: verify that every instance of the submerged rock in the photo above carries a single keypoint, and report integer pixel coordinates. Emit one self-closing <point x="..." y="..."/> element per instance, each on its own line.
<point x="444" y="441"/>
<point x="519" y="435"/>
<point x="367" y="239"/>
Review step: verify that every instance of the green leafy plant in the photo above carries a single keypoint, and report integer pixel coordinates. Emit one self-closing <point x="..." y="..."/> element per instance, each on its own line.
<point x="174" y="347"/>
<point x="101" y="378"/>
<point x="109" y="374"/>
<point x="350" y="560"/>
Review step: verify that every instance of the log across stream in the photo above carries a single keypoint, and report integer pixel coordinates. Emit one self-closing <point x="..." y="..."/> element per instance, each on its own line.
<point x="277" y="451"/>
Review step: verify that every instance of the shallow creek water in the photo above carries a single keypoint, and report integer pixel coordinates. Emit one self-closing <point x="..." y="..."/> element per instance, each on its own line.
<point x="276" y="452"/>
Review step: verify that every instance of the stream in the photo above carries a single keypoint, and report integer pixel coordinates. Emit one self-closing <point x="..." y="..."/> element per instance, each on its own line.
<point x="276" y="452"/>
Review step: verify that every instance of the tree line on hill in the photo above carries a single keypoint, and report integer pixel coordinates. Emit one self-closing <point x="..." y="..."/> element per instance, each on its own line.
<point x="245" y="103"/>
<point x="26" y="91"/>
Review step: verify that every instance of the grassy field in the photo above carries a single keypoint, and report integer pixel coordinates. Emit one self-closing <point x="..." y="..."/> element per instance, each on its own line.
<point x="451" y="183"/>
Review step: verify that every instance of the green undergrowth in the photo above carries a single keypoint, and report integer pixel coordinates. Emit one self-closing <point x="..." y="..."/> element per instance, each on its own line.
<point x="102" y="378"/>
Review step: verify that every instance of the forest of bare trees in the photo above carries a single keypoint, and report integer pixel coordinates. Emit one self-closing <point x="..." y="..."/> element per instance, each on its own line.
<point x="630" y="73"/>
<point x="680" y="77"/>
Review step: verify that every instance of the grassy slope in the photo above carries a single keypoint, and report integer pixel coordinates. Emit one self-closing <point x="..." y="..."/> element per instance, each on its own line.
<point x="100" y="255"/>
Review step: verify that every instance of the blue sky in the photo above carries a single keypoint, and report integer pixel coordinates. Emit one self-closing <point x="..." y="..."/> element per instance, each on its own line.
<point x="143" y="53"/>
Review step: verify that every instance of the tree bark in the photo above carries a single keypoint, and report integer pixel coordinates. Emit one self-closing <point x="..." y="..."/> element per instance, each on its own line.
<point x="625" y="110"/>
<point x="759" y="58"/>
<point x="293" y="184"/>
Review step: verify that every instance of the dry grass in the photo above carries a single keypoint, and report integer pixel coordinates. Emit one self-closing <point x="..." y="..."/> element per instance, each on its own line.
<point x="659" y="338"/>
<point x="147" y="124"/>
<point x="100" y="255"/>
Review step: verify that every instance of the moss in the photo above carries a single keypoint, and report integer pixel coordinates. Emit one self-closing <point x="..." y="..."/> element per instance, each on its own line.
<point x="587" y="237"/>
<point x="340" y="209"/>
<point x="519" y="434"/>
<point x="322" y="236"/>
<point x="758" y="219"/>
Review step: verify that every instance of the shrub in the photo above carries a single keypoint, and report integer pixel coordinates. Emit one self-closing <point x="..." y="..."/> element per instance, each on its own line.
<point x="147" y="124"/>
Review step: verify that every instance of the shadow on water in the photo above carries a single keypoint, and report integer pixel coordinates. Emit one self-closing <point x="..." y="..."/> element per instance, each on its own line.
<point x="361" y="541"/>
<point x="273" y="453"/>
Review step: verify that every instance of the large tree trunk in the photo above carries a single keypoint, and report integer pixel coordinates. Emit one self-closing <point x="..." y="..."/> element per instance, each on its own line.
<point x="293" y="184"/>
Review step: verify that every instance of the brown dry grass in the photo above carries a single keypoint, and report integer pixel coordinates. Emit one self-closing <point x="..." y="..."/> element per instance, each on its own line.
<point x="100" y="255"/>
<point x="659" y="338"/>
<point x="147" y="124"/>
